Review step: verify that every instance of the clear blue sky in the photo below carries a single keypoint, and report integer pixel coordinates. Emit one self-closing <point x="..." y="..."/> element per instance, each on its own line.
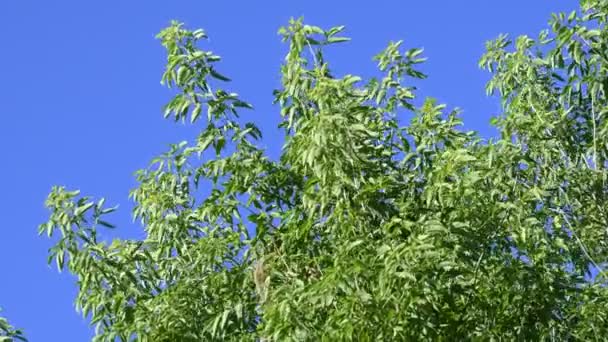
<point x="80" y="101"/>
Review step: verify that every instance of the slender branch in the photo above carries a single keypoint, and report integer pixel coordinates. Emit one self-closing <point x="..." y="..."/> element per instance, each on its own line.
<point x="580" y="242"/>
<point x="314" y="58"/>
<point x="593" y="119"/>
<point x="586" y="42"/>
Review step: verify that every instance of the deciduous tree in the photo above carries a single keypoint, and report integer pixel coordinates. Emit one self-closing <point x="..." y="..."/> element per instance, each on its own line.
<point x="381" y="220"/>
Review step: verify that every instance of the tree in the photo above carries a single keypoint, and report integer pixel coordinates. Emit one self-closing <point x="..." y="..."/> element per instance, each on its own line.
<point x="365" y="228"/>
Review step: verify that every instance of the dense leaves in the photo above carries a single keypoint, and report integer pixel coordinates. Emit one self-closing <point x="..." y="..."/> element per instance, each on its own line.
<point x="381" y="220"/>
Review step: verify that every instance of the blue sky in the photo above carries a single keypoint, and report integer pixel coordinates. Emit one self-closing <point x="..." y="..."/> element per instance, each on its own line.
<point x="80" y="101"/>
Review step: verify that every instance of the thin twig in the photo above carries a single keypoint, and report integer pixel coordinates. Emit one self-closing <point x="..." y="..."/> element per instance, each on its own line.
<point x="594" y="133"/>
<point x="581" y="244"/>
<point x="586" y="42"/>
<point x="314" y="58"/>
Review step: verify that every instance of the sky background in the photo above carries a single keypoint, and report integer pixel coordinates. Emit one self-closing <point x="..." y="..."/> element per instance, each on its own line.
<point x="80" y="101"/>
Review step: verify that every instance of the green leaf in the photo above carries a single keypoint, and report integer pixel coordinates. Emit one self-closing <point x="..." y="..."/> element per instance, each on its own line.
<point x="242" y="104"/>
<point x="196" y="112"/>
<point x="332" y="40"/>
<point x="106" y="224"/>
<point x="217" y="75"/>
<point x="82" y="209"/>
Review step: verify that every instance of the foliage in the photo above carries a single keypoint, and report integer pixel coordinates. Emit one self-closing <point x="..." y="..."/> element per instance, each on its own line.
<point x="365" y="228"/>
<point x="8" y="333"/>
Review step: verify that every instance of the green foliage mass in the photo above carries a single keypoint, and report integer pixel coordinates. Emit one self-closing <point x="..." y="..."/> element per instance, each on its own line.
<point x="381" y="220"/>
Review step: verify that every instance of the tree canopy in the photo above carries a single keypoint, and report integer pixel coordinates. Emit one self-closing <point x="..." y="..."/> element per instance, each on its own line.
<point x="382" y="219"/>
